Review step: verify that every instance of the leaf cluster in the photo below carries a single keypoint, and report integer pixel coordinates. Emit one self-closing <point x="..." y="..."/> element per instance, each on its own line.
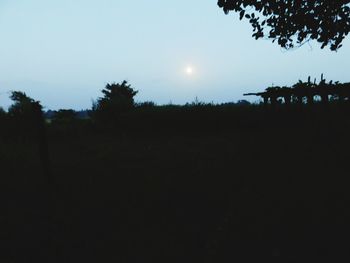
<point x="118" y="98"/>
<point x="294" y="22"/>
<point x="23" y="106"/>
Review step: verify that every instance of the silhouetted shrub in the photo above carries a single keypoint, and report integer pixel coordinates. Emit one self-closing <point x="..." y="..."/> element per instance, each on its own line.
<point x="64" y="116"/>
<point x="69" y="123"/>
<point x="146" y="105"/>
<point x="118" y="98"/>
<point x="2" y="121"/>
<point x="25" y="115"/>
<point x="197" y="103"/>
<point x="243" y="103"/>
<point x="2" y="113"/>
<point x="22" y="106"/>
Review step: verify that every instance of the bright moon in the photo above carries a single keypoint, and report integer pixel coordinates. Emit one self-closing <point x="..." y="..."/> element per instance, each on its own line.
<point x="189" y="70"/>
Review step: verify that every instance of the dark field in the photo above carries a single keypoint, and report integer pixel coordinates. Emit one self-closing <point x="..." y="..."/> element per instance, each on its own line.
<point x="246" y="184"/>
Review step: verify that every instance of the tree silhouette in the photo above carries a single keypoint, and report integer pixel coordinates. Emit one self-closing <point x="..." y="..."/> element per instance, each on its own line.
<point x="22" y="104"/>
<point x="3" y="124"/>
<point x="118" y="98"/>
<point x="64" y="116"/>
<point x="294" y="22"/>
<point x="29" y="123"/>
<point x="306" y="92"/>
<point x="26" y="113"/>
<point x="2" y="112"/>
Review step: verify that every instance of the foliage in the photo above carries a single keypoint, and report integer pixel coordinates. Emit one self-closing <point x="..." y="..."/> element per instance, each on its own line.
<point x="146" y="105"/>
<point x="64" y="116"/>
<point x="293" y="23"/>
<point x="2" y="112"/>
<point x="22" y="106"/>
<point x="307" y="92"/>
<point x="277" y="177"/>
<point x="25" y="117"/>
<point x="2" y="120"/>
<point x="118" y="98"/>
<point x="197" y="103"/>
<point x="243" y="103"/>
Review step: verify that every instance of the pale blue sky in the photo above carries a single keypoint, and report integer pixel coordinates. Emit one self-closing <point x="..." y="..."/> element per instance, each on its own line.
<point x="63" y="52"/>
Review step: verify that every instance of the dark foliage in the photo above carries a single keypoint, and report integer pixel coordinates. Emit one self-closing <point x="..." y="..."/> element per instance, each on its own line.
<point x="22" y="104"/>
<point x="306" y="92"/>
<point x="243" y="103"/>
<point x="292" y="23"/>
<point x="146" y="105"/>
<point x="118" y="98"/>
<point x="2" y="112"/>
<point x="3" y="122"/>
<point x="64" y="116"/>
<point x="23" y="116"/>
<point x="186" y="184"/>
<point x="193" y="183"/>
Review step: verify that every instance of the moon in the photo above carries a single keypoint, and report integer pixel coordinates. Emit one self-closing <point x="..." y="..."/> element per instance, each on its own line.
<point x="189" y="70"/>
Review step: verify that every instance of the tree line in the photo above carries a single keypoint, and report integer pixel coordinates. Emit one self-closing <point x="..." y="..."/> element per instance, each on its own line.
<point x="119" y="99"/>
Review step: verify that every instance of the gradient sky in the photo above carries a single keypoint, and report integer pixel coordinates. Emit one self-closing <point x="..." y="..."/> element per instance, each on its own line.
<point x="63" y="52"/>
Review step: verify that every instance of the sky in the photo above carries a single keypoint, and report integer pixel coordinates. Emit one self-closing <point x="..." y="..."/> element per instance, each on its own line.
<point x="63" y="52"/>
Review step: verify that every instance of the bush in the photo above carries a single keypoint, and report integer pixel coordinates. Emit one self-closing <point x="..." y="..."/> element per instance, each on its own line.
<point x="117" y="99"/>
<point x="64" y="116"/>
<point x="2" y="113"/>
<point x="22" y="105"/>
<point x="146" y="105"/>
<point x="25" y="116"/>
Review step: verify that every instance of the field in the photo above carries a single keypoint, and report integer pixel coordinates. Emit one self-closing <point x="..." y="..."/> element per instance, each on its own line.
<point x="195" y="184"/>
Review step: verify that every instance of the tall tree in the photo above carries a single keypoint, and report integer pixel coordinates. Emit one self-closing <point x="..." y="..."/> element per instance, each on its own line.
<point x="118" y="98"/>
<point x="294" y="22"/>
<point x="22" y="105"/>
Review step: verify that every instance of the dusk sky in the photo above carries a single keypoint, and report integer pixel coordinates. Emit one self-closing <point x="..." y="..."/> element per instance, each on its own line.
<point x="63" y="52"/>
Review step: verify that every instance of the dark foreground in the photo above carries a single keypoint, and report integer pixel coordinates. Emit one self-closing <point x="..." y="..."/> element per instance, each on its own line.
<point x="268" y="187"/>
